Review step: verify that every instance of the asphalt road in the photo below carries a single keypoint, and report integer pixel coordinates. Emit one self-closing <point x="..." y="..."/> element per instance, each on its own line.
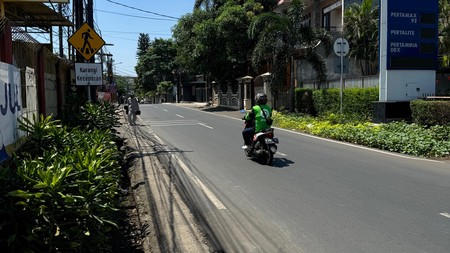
<point x="320" y="195"/>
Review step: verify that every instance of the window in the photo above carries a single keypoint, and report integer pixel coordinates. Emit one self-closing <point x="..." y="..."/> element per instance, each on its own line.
<point x="326" y="21"/>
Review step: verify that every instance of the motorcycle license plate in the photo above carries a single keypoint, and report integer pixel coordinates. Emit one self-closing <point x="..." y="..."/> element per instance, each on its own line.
<point x="270" y="141"/>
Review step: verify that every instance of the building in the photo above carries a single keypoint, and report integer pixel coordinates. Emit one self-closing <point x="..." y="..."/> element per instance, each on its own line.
<point x="328" y="14"/>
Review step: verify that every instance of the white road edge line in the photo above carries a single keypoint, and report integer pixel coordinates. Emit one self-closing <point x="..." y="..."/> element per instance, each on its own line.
<point x="338" y="142"/>
<point x="202" y="124"/>
<point x="217" y="203"/>
<point x="445" y="215"/>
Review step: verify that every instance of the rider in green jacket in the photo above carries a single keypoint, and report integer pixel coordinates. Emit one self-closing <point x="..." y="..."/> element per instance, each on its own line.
<point x="260" y="116"/>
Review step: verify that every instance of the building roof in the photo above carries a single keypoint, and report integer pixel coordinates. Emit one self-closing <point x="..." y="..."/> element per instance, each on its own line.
<point x="34" y="14"/>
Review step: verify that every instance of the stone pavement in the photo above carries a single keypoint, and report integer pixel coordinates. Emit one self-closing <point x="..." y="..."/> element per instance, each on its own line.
<point x="167" y="224"/>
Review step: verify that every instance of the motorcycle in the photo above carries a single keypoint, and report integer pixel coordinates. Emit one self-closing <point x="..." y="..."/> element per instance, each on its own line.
<point x="263" y="147"/>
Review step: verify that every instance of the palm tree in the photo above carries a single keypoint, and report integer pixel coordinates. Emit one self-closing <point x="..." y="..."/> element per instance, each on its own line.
<point x="280" y="37"/>
<point x="361" y="29"/>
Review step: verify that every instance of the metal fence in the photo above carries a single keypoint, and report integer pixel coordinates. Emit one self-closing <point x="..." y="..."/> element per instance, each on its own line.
<point x="349" y="82"/>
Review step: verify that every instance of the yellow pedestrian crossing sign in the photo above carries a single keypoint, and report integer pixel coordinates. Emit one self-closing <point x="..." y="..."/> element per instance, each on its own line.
<point x="86" y="41"/>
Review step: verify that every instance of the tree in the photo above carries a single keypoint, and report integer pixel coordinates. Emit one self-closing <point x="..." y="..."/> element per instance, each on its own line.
<point x="279" y="37"/>
<point x="123" y="84"/>
<point x="444" y="32"/>
<point x="143" y="44"/>
<point x="156" y="65"/>
<point x="215" y="42"/>
<point x="164" y="87"/>
<point x="215" y="4"/>
<point x="361" y="30"/>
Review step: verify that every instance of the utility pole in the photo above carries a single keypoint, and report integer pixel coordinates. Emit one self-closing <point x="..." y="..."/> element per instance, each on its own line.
<point x="90" y="22"/>
<point x="79" y="20"/>
<point x="60" y="33"/>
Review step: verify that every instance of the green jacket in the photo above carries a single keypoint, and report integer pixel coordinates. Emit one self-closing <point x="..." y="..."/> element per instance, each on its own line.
<point x="261" y="120"/>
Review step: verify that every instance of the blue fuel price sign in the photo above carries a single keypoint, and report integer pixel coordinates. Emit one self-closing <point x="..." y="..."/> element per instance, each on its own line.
<point x="412" y="34"/>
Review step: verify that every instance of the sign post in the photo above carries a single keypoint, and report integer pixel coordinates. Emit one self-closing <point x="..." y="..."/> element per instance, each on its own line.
<point x="88" y="74"/>
<point x="341" y="49"/>
<point x="87" y="42"/>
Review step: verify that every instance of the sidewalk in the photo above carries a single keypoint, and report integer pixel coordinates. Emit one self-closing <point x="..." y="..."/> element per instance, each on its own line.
<point x="166" y="223"/>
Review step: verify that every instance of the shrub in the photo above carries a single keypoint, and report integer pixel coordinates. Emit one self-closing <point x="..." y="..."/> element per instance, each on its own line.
<point x="90" y="115"/>
<point x="304" y="101"/>
<point x="430" y="113"/>
<point x="399" y="137"/>
<point x="70" y="195"/>
<point x="60" y="193"/>
<point x="326" y="101"/>
<point x="356" y="101"/>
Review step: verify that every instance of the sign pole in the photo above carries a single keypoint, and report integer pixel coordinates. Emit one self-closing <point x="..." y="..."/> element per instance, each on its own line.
<point x="89" y="91"/>
<point x="342" y="71"/>
<point x="341" y="49"/>
<point x="87" y="42"/>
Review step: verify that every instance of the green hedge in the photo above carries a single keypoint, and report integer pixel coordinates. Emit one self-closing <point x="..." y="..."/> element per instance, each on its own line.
<point x="356" y="101"/>
<point x="430" y="113"/>
<point x="326" y="101"/>
<point x="401" y="137"/>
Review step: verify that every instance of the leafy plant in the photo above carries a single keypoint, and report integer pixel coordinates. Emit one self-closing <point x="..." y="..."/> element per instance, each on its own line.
<point x="60" y="193"/>
<point x="399" y="137"/>
<point x="44" y="133"/>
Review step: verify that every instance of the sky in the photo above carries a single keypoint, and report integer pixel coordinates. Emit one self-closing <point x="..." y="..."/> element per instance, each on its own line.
<point x="119" y="22"/>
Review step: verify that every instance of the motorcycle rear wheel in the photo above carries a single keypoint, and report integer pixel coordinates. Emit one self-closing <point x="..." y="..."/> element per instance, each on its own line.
<point x="269" y="159"/>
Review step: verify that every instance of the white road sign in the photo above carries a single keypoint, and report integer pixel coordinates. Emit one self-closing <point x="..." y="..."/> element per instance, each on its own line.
<point x="341" y="47"/>
<point x="88" y="73"/>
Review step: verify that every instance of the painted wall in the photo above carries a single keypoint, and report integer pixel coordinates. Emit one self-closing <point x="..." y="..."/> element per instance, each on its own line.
<point x="10" y="106"/>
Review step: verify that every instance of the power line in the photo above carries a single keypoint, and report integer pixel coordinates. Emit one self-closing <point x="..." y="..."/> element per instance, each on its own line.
<point x="121" y="38"/>
<point x="134" y="16"/>
<point x="134" y="8"/>
<point x="107" y="31"/>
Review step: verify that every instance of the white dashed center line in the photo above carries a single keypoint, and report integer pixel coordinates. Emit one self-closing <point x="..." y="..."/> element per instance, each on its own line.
<point x="445" y="215"/>
<point x="201" y="124"/>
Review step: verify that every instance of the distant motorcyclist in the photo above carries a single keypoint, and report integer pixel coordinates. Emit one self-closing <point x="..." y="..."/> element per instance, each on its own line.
<point x="257" y="119"/>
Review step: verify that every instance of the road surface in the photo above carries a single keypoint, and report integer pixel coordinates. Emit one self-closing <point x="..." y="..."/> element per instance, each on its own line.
<point x="320" y="195"/>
